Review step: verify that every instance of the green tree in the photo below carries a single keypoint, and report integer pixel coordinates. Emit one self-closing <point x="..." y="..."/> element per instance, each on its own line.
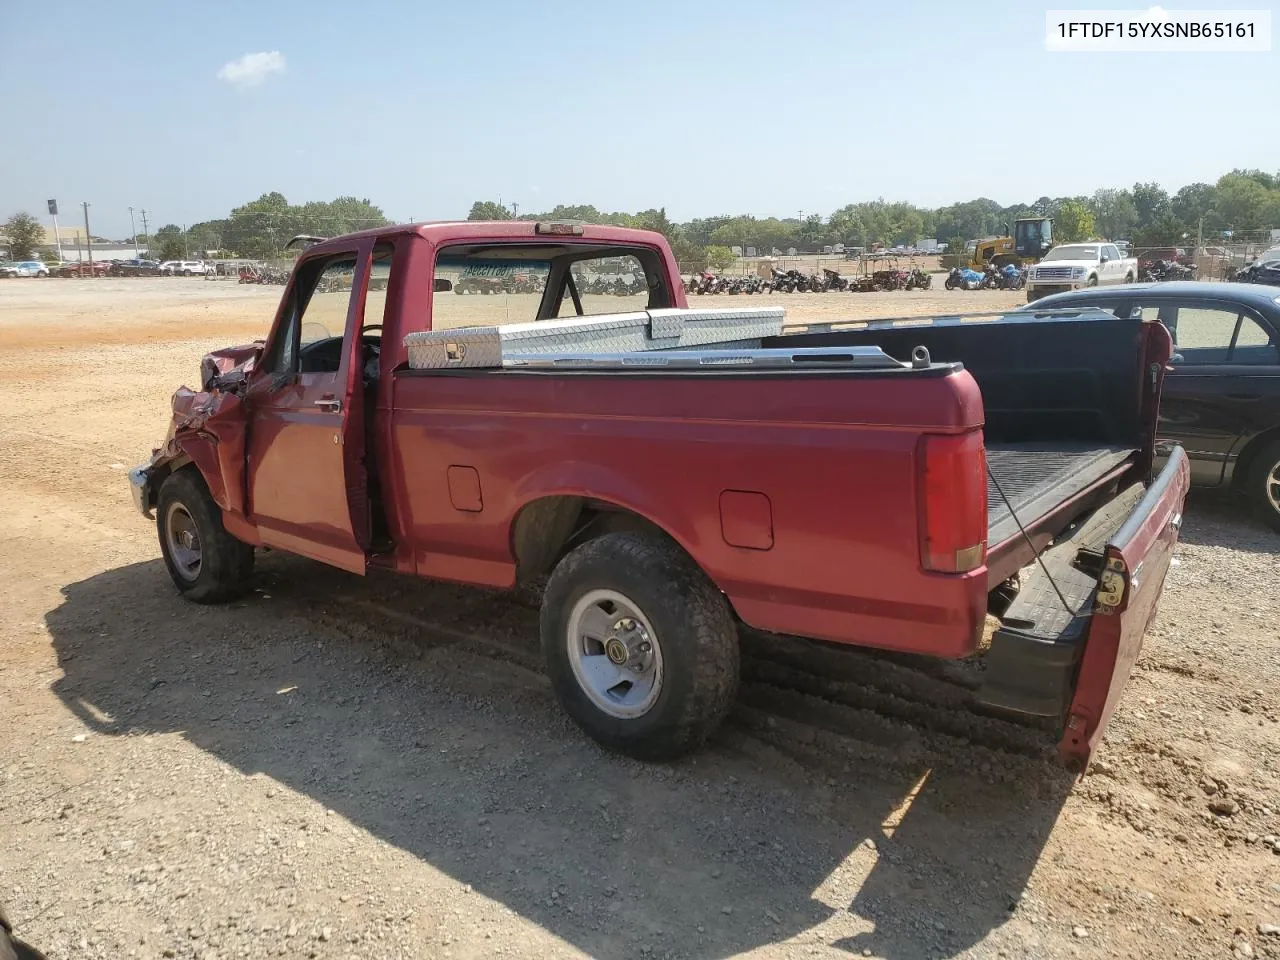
<point x="1151" y="202"/>
<point x="25" y="234"/>
<point x="1074" y="221"/>
<point x="167" y="243"/>
<point x="1115" y="212"/>
<point x="1168" y="231"/>
<point x="488" y="210"/>
<point x="720" y="258"/>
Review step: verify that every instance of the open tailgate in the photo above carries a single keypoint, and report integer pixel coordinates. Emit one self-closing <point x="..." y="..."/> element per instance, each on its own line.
<point x="1136" y="560"/>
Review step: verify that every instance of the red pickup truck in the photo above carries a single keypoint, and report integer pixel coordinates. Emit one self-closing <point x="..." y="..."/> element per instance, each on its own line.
<point x="897" y="483"/>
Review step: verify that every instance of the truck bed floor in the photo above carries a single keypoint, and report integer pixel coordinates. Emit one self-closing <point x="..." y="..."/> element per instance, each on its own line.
<point x="1037" y="477"/>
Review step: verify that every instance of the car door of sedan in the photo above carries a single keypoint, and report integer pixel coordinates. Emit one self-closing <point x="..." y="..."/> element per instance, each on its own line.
<point x="1225" y="365"/>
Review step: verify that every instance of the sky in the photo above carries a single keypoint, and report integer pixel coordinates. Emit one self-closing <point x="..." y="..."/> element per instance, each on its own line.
<point x="704" y="108"/>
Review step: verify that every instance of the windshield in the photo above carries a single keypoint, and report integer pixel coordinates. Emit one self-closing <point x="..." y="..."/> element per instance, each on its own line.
<point x="1073" y="253"/>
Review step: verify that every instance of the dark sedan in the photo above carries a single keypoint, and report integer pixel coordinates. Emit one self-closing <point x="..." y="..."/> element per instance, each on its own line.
<point x="135" y="268"/>
<point x="1222" y="398"/>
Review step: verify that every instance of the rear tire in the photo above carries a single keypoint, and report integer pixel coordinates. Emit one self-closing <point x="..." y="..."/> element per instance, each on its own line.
<point x="206" y="564"/>
<point x="1262" y="484"/>
<point x="640" y="646"/>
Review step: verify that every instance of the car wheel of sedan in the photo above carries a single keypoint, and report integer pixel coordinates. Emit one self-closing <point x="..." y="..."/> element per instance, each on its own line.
<point x="1262" y="484"/>
<point x="640" y="646"/>
<point x="206" y="564"/>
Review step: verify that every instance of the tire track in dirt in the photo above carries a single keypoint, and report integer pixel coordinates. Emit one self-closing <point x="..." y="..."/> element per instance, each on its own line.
<point x="823" y="707"/>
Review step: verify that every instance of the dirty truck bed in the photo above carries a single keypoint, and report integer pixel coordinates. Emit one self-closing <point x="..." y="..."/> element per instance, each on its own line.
<point x="1037" y="477"/>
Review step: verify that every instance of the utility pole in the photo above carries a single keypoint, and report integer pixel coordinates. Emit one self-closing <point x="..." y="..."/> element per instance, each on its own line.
<point x="144" y="228"/>
<point x="134" y="228"/>
<point x="88" y="237"/>
<point x="57" y="237"/>
<point x="186" y="254"/>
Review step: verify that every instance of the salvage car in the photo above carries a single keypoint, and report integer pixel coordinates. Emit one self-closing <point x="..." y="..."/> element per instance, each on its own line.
<point x="1221" y="399"/>
<point x="1075" y="265"/>
<point x="23" y="268"/>
<point x="81" y="268"/>
<point x="135" y="268"/>
<point x="671" y="474"/>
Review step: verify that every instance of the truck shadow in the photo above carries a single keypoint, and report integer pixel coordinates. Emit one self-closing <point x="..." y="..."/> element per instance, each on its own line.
<point x="370" y="697"/>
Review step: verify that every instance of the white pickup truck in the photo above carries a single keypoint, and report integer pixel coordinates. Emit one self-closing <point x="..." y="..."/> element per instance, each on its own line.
<point x="1075" y="265"/>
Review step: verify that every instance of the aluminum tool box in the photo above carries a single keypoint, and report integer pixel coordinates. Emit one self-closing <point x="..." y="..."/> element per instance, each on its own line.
<point x="618" y="333"/>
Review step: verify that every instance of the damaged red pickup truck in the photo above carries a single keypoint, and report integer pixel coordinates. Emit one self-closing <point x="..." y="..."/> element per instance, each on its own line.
<point x="883" y="484"/>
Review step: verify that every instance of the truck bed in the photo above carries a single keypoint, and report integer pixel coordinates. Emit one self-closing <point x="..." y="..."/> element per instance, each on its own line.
<point x="1038" y="477"/>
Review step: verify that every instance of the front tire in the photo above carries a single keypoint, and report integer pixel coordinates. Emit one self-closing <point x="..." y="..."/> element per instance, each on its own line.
<point x="640" y="646"/>
<point x="206" y="564"/>
<point x="1262" y="484"/>
<point x="1093" y="282"/>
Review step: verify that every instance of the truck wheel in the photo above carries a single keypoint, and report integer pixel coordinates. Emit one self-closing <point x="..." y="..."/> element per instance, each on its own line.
<point x="1128" y="278"/>
<point x="640" y="646"/>
<point x="1262" y="483"/>
<point x="1093" y="281"/>
<point x="207" y="564"/>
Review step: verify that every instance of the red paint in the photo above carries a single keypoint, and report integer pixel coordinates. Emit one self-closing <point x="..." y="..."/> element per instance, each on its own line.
<point x="746" y="519"/>
<point x="464" y="489"/>
<point x="1115" y="638"/>
<point x="666" y="448"/>
<point x="814" y="501"/>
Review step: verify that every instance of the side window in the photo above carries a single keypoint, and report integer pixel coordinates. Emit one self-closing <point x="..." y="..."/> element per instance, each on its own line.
<point x="617" y="284"/>
<point x="317" y="312"/>
<point x="1205" y="335"/>
<point x="1112" y="252"/>
<point x="375" y="304"/>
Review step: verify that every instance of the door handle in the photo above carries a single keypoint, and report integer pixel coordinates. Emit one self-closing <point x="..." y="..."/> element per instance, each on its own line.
<point x="331" y="404"/>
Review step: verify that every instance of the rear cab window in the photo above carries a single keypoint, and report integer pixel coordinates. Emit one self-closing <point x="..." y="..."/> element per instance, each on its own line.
<point x="498" y="283"/>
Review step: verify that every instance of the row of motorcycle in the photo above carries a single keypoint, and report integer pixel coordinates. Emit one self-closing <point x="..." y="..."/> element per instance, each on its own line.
<point x="796" y="281"/>
<point x="1008" y="277"/>
<point x="1161" y="270"/>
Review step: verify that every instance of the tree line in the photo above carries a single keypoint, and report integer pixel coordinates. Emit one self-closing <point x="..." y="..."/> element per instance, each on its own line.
<point x="1242" y="202"/>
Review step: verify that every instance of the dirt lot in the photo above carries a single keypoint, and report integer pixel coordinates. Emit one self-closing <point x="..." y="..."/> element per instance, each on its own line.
<point x="341" y="767"/>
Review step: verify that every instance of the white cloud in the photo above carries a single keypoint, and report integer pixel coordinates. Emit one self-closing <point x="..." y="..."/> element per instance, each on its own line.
<point x="252" y="69"/>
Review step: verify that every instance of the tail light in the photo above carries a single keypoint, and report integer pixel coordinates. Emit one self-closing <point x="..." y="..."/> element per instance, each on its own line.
<point x="953" y="502"/>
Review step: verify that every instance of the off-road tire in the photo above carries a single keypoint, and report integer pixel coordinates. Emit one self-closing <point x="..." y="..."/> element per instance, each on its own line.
<point x="693" y="626"/>
<point x="1261" y="468"/>
<point x="225" y="562"/>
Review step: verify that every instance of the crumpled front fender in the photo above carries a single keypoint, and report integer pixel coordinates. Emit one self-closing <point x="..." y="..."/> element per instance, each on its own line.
<point x="208" y="430"/>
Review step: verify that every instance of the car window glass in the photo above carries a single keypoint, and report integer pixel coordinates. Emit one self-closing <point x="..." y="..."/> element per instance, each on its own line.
<point x="317" y="311"/>
<point x="1205" y="335"/>
<point x="485" y="290"/>
<point x="607" y="285"/>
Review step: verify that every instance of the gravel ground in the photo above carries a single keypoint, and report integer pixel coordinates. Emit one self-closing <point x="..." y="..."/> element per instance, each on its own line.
<point x="347" y="767"/>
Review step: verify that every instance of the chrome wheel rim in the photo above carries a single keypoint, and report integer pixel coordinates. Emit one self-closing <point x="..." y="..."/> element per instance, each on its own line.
<point x="1271" y="487"/>
<point x="615" y="654"/>
<point x="183" y="540"/>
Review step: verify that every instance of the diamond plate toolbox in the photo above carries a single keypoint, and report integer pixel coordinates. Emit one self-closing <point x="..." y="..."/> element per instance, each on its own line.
<point x="667" y="329"/>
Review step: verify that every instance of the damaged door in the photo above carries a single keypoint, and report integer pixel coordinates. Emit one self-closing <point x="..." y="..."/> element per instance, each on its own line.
<point x="305" y="445"/>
